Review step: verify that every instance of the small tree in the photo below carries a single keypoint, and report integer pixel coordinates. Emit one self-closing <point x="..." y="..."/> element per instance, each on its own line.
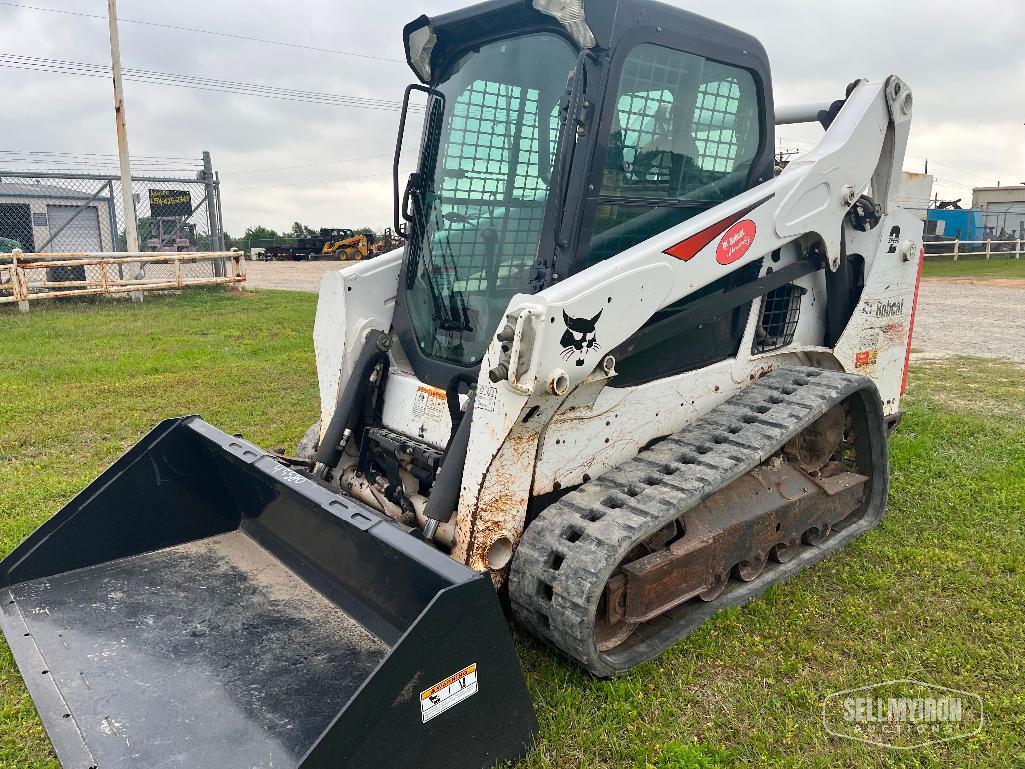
<point x="260" y="232"/>
<point x="144" y="227"/>
<point x="300" y="230"/>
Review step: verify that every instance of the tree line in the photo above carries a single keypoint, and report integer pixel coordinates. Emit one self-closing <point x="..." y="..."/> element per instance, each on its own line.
<point x="298" y="230"/>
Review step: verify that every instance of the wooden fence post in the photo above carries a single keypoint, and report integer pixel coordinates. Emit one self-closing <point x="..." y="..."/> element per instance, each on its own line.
<point x="957" y="248"/>
<point x="19" y="286"/>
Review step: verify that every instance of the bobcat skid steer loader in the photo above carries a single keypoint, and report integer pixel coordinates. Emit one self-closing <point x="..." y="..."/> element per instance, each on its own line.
<point x="624" y="373"/>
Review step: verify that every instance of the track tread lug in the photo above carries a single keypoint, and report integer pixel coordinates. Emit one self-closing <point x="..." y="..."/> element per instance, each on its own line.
<point x="767" y="413"/>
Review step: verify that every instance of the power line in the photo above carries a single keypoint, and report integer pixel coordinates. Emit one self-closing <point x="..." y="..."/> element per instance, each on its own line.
<point x="96" y="155"/>
<point x="84" y="69"/>
<point x="805" y="142"/>
<point x="987" y="179"/>
<point x="231" y="35"/>
<point x="74" y="67"/>
<point x="948" y="183"/>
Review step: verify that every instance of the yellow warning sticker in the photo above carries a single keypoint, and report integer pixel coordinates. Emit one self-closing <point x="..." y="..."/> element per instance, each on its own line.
<point x="430" y="404"/>
<point x="448" y="693"/>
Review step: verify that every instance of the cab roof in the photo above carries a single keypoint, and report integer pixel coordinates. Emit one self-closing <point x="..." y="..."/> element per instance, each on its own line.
<point x="609" y="20"/>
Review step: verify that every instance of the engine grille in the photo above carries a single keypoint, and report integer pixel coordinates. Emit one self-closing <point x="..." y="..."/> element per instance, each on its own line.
<point x="781" y="312"/>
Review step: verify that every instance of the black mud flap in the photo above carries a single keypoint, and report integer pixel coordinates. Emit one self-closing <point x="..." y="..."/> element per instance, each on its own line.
<point x="201" y="606"/>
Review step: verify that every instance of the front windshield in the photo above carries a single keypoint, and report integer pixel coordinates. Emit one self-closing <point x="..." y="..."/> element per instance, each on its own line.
<point x="488" y="158"/>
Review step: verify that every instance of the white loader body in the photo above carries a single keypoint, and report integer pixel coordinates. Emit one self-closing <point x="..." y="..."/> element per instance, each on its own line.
<point x="579" y="425"/>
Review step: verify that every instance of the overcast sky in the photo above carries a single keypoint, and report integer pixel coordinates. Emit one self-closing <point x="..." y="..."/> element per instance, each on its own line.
<point x="965" y="62"/>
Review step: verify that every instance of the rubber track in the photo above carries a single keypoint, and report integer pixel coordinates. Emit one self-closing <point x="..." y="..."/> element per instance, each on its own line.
<point x="569" y="552"/>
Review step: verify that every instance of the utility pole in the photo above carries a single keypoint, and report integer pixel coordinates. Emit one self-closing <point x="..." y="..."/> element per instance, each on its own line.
<point x="207" y="175"/>
<point x="127" y="190"/>
<point x="127" y="193"/>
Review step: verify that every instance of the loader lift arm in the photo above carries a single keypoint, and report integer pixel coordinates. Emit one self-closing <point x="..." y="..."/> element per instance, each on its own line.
<point x="809" y="200"/>
<point x="806" y="204"/>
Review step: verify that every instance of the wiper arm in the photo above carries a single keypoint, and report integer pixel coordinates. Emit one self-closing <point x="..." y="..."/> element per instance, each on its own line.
<point x="450" y="315"/>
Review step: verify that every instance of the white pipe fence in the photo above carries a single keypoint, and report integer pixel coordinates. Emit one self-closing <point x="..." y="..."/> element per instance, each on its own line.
<point x="987" y="249"/>
<point x="28" y="277"/>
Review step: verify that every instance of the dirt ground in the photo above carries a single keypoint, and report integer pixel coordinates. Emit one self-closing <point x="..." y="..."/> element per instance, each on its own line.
<point x="991" y="282"/>
<point x="955" y="316"/>
<point x="979" y="318"/>
<point x="289" y="276"/>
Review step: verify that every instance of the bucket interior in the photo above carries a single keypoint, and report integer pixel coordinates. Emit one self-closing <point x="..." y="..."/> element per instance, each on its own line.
<point x="242" y="663"/>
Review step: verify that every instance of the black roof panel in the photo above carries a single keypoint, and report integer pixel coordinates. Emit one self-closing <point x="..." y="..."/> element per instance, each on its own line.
<point x="608" y="19"/>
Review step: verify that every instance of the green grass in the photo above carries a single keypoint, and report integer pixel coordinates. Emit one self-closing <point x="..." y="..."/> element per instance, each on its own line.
<point x="936" y="593"/>
<point x="978" y="269"/>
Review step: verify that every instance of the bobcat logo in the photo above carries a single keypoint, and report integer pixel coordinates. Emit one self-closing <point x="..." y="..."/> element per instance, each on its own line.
<point x="580" y="337"/>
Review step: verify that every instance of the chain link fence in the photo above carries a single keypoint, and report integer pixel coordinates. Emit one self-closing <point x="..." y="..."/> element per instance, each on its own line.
<point x="63" y="233"/>
<point x="62" y="212"/>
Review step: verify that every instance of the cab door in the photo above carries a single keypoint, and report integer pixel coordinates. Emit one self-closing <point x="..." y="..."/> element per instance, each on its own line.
<point x="680" y="134"/>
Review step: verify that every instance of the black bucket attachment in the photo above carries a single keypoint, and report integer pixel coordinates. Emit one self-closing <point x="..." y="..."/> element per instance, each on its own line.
<point x="202" y="606"/>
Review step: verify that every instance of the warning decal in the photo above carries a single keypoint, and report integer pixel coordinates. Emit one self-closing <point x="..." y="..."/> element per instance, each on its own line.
<point x="448" y="693"/>
<point x="430" y="404"/>
<point x="866" y="358"/>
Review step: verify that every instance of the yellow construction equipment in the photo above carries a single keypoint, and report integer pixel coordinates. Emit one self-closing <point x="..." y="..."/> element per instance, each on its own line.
<point x="347" y="245"/>
<point x="331" y="243"/>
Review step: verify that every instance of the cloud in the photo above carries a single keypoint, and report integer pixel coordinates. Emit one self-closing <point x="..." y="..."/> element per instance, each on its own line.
<point x="966" y="70"/>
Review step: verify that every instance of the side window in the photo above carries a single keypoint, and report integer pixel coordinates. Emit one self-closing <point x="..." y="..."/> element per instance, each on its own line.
<point x="684" y="134"/>
<point x="492" y="182"/>
<point x="720" y="131"/>
<point x="493" y="150"/>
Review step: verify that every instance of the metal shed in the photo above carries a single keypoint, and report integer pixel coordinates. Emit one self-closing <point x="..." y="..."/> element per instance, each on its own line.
<point x="51" y="219"/>
<point x="1003" y="209"/>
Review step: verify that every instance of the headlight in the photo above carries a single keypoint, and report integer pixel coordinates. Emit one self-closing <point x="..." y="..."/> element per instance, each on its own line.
<point x="420" y="44"/>
<point x="570" y="14"/>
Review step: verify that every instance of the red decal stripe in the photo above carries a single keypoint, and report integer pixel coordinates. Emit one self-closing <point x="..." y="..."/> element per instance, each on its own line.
<point x="687" y="249"/>
<point x="911" y="329"/>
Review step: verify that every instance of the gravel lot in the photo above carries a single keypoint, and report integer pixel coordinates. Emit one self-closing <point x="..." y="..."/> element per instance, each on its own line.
<point x="289" y="276"/>
<point x="955" y="317"/>
<point x="971" y="318"/>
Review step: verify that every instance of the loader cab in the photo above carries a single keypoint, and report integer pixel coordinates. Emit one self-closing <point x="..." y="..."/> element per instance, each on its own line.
<point x="553" y="141"/>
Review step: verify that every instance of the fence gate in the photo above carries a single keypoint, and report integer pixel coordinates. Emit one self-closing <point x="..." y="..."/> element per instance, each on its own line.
<point x="55" y="212"/>
<point x="62" y="233"/>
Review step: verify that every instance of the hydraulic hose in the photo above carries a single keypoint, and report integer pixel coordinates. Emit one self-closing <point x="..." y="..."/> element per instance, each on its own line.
<point x="441" y="505"/>
<point x="351" y="403"/>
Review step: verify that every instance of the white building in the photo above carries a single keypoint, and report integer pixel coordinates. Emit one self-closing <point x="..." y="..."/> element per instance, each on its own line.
<point x="1003" y="211"/>
<point x="47" y="218"/>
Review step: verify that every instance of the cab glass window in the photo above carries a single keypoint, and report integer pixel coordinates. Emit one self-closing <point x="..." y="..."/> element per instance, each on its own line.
<point x="685" y="131"/>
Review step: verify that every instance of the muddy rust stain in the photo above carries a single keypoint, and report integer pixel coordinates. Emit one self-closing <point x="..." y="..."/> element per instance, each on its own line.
<point x="501" y="505"/>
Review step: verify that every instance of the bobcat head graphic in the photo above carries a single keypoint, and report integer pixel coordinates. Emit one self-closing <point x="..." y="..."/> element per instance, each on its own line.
<point x="580" y="337"/>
